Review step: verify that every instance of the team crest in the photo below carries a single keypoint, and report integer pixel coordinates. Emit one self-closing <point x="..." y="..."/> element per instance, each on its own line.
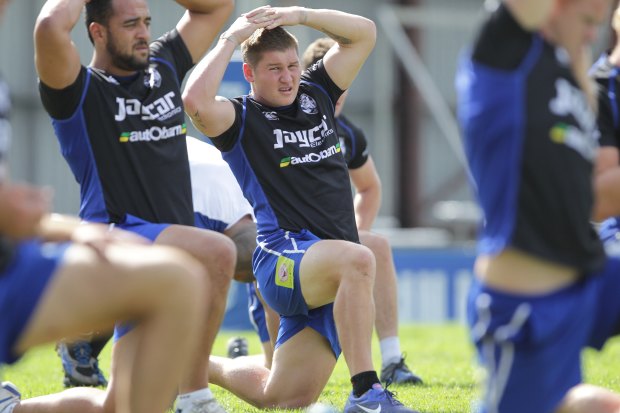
<point x="271" y="115"/>
<point x="285" y="270"/>
<point x="153" y="78"/>
<point x="308" y="105"/>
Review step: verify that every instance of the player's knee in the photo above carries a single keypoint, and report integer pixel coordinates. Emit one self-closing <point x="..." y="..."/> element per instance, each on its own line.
<point x="362" y="260"/>
<point x="221" y="257"/>
<point x="227" y="256"/>
<point x="587" y="397"/>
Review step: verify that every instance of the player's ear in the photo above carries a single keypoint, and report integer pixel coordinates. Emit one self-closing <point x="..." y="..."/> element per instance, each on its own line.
<point x="248" y="73"/>
<point x="96" y="31"/>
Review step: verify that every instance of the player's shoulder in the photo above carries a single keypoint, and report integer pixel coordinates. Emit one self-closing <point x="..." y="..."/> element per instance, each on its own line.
<point x="350" y="127"/>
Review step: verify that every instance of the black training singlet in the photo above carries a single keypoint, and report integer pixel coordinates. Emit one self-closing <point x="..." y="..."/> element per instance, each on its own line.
<point x="289" y="163"/>
<point x="124" y="138"/>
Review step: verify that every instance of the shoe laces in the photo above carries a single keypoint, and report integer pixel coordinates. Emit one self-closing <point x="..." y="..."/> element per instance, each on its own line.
<point x="391" y="396"/>
<point x="400" y="365"/>
<point x="82" y="352"/>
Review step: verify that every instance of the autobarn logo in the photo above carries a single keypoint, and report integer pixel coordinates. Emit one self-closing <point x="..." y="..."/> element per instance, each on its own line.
<point x="153" y="134"/>
<point x="313" y="157"/>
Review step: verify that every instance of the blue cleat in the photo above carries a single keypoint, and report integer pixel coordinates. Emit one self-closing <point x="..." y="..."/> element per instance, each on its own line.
<point x="399" y="373"/>
<point x="9" y="397"/>
<point x="376" y="400"/>
<point x="80" y="367"/>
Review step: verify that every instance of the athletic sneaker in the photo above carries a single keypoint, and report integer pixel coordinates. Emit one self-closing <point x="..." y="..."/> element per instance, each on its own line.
<point x="81" y="368"/>
<point x="399" y="373"/>
<point x="202" y="406"/>
<point x="237" y="347"/>
<point x="9" y="397"/>
<point x="376" y="400"/>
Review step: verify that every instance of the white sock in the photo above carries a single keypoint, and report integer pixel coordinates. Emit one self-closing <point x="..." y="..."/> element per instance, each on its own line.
<point x="390" y="350"/>
<point x="186" y="398"/>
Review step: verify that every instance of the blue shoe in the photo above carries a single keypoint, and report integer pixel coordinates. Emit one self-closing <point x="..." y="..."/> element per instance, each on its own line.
<point x="9" y="397"/>
<point x="376" y="400"/>
<point x="399" y="373"/>
<point x="79" y="365"/>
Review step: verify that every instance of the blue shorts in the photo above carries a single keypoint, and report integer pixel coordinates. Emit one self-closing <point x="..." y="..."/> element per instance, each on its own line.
<point x="257" y="313"/>
<point x="148" y="230"/>
<point x="276" y="264"/>
<point x="139" y="226"/>
<point x="530" y="346"/>
<point x="22" y="284"/>
<point x="204" y="222"/>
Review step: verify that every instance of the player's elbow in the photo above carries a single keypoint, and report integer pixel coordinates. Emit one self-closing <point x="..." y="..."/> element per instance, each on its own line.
<point x="46" y="27"/>
<point x="369" y="32"/>
<point x="191" y="101"/>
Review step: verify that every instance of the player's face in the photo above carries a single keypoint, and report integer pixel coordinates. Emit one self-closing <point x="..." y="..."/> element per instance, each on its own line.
<point x="128" y="35"/>
<point x="578" y="22"/>
<point x="275" y="79"/>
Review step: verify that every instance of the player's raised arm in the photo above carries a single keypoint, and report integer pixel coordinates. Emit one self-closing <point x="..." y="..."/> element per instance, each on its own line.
<point x="213" y="115"/>
<point x="56" y="56"/>
<point x="355" y="37"/>
<point x="202" y="22"/>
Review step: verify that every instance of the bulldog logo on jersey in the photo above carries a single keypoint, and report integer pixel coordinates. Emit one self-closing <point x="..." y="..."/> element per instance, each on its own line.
<point x="308" y="105"/>
<point x="285" y="269"/>
<point x="153" y="79"/>
<point x="271" y="115"/>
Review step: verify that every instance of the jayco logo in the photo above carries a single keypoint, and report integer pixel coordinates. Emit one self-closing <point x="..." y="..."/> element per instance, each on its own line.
<point x="161" y="109"/>
<point x="570" y="100"/>
<point x="305" y="138"/>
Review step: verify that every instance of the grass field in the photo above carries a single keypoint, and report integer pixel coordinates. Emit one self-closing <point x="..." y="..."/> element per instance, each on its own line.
<point x="440" y="354"/>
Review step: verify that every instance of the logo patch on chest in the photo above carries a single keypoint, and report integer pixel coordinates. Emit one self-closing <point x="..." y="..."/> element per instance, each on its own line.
<point x="308" y="104"/>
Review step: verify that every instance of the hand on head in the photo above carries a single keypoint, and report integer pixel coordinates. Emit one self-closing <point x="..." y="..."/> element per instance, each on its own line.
<point x="248" y="23"/>
<point x="267" y="17"/>
<point x="277" y="16"/>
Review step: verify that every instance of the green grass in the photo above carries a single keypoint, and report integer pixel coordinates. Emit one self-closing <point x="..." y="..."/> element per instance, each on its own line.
<point x="440" y="354"/>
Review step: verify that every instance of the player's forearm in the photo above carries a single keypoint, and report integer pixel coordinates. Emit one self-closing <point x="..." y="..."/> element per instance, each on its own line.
<point x="367" y="206"/>
<point x="59" y="17"/>
<point x="204" y="81"/>
<point x="346" y="29"/>
<point x="205" y="6"/>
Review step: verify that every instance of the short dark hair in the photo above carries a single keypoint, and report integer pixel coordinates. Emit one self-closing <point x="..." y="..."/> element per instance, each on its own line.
<point x="97" y="11"/>
<point x="263" y="40"/>
<point x="316" y="50"/>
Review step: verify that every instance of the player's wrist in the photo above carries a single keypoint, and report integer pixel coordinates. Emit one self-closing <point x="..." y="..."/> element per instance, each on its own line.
<point x="230" y="37"/>
<point x="303" y="15"/>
